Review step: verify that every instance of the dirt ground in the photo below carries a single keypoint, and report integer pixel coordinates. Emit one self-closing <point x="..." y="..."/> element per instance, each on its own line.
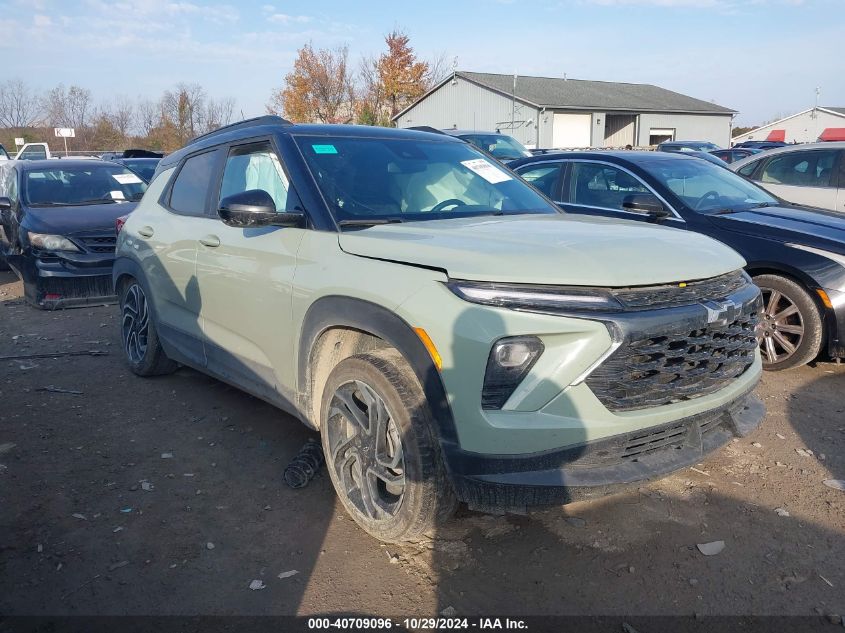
<point x="165" y="496"/>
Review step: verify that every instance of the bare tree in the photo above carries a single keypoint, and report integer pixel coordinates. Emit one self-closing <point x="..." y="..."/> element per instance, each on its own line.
<point x="148" y="116"/>
<point x="217" y="113"/>
<point x="122" y="115"/>
<point x="184" y="108"/>
<point x="438" y="69"/>
<point x="68" y="107"/>
<point x="19" y="105"/>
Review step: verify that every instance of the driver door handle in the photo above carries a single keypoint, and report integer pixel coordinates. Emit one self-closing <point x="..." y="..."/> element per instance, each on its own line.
<point x="146" y="231"/>
<point x="212" y="241"/>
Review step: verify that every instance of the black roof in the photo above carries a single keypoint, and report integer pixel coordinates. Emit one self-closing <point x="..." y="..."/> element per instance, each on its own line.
<point x="637" y="157"/>
<point x="277" y="125"/>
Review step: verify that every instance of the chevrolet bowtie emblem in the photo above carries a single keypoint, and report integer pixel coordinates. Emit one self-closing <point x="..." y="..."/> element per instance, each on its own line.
<point x="721" y="312"/>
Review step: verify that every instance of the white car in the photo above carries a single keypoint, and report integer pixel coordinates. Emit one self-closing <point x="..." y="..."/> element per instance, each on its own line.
<point x="812" y="173"/>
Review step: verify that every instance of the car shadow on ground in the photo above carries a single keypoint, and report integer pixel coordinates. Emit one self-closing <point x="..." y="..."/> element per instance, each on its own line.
<point x="85" y="536"/>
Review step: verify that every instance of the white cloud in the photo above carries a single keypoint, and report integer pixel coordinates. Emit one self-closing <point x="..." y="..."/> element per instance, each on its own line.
<point x="42" y="21"/>
<point x="283" y="18"/>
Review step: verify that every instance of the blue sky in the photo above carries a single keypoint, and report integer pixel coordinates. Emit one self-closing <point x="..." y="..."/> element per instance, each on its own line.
<point x="762" y="57"/>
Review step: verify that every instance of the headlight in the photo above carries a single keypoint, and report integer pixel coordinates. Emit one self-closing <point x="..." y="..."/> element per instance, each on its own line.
<point x="545" y="298"/>
<point x="52" y="242"/>
<point x="509" y="361"/>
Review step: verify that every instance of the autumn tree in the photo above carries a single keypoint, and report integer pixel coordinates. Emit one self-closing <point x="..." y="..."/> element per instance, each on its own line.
<point x="402" y="76"/>
<point x="318" y="89"/>
<point x="393" y="80"/>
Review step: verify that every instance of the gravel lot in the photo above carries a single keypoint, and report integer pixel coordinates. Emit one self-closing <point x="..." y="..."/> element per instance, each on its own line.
<point x="165" y="496"/>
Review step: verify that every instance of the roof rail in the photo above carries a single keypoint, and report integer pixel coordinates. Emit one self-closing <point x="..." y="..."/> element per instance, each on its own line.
<point x="268" y="119"/>
<point x="426" y="128"/>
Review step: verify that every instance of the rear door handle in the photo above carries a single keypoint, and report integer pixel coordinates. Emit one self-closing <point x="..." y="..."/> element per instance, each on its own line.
<point x="146" y="231"/>
<point x="212" y="241"/>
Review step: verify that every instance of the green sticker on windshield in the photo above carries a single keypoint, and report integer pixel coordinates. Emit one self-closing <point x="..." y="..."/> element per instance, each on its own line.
<point x="324" y="149"/>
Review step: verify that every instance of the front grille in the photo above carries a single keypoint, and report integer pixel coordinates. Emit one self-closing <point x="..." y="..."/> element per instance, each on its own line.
<point x="652" y="369"/>
<point x="669" y="295"/>
<point x="98" y="243"/>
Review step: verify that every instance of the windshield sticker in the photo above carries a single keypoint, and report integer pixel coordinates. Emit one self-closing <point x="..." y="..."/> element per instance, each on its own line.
<point x="486" y="170"/>
<point x="324" y="149"/>
<point x="117" y="195"/>
<point x="127" y="179"/>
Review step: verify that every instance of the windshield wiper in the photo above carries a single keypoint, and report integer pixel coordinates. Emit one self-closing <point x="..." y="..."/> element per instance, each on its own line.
<point x="369" y="222"/>
<point x="723" y="212"/>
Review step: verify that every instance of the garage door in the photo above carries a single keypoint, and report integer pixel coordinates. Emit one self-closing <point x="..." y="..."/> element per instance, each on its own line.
<point x="571" y="130"/>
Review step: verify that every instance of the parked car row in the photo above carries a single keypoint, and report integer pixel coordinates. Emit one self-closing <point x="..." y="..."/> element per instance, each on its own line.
<point x="457" y="330"/>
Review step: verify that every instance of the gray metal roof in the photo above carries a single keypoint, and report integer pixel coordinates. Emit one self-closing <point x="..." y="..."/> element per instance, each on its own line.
<point x="593" y="95"/>
<point x="837" y="110"/>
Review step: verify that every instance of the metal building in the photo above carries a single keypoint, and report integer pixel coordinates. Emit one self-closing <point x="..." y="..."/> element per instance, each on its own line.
<point x="561" y="113"/>
<point x="815" y="124"/>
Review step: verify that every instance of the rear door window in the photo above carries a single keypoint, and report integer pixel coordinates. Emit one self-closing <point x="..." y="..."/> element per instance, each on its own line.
<point x="800" y="169"/>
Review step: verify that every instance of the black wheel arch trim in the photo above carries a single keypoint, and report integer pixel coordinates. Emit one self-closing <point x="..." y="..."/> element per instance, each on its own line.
<point x="340" y="311"/>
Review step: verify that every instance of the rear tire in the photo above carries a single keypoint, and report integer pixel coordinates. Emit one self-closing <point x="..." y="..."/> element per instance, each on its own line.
<point x="143" y="350"/>
<point x="791" y="331"/>
<point x="381" y="449"/>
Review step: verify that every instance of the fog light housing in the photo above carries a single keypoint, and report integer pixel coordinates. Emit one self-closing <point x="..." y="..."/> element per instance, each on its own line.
<point x="509" y="362"/>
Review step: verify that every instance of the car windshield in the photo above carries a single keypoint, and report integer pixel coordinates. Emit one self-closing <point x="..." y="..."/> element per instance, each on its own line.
<point x="144" y="167"/>
<point x="77" y="185"/>
<point x="366" y="179"/>
<point x="498" y="145"/>
<point x="707" y="188"/>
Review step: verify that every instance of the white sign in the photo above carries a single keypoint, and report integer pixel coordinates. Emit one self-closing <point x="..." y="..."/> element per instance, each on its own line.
<point x="19" y="141"/>
<point x="486" y="170"/>
<point x="66" y="132"/>
<point x="127" y="179"/>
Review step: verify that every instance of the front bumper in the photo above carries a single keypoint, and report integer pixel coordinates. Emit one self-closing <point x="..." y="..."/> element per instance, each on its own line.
<point x="495" y="482"/>
<point x="63" y="280"/>
<point x="835" y="323"/>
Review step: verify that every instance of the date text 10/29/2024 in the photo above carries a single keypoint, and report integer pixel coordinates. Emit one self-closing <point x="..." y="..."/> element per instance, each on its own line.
<point x="418" y="624"/>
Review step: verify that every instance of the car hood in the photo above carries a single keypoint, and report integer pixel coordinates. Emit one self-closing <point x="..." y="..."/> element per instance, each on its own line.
<point x="544" y="249"/>
<point x="805" y="225"/>
<point x="75" y="220"/>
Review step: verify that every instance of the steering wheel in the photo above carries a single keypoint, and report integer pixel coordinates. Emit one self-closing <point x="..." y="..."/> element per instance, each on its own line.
<point x="714" y="195"/>
<point x="451" y="202"/>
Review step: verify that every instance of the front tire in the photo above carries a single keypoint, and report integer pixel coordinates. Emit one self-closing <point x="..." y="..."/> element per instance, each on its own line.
<point x="143" y="350"/>
<point x="381" y="449"/>
<point x="791" y="329"/>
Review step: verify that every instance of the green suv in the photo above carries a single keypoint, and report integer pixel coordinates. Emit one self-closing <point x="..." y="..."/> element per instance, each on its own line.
<point x="451" y="334"/>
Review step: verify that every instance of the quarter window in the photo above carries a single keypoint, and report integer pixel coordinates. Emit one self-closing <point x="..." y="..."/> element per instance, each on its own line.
<point x="255" y="166"/>
<point x="544" y="177"/>
<point x="748" y="169"/>
<point x="190" y="189"/>
<point x="800" y="169"/>
<point x="603" y="186"/>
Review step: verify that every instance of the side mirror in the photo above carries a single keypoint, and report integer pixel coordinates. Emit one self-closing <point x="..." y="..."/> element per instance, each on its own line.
<point x="254" y="208"/>
<point x="5" y="204"/>
<point x="645" y="203"/>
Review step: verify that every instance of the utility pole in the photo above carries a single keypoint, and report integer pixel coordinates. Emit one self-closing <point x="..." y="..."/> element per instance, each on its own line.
<point x="513" y="103"/>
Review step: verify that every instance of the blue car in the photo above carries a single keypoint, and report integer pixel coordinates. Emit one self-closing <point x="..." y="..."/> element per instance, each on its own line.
<point x="58" y="227"/>
<point x="795" y="254"/>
